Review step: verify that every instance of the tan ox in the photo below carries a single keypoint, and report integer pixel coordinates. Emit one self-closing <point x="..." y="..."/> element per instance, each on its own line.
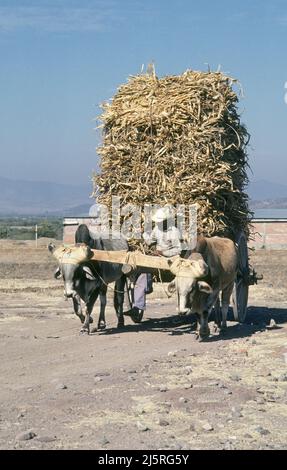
<point x="219" y="259"/>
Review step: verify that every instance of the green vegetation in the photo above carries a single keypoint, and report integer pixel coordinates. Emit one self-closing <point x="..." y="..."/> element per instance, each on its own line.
<point x="24" y="228"/>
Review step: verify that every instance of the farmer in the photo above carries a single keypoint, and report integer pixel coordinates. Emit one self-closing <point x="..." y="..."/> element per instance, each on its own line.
<point x="138" y="286"/>
<point x="165" y="235"/>
<point x="168" y="243"/>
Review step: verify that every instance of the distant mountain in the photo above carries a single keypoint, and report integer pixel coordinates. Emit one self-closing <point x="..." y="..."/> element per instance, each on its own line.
<point x="263" y="190"/>
<point x="267" y="195"/>
<point x="76" y="211"/>
<point x="43" y="198"/>
<point x="19" y="197"/>
<point x="269" y="204"/>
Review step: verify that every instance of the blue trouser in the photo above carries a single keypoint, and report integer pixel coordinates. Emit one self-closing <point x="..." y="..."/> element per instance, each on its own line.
<point x="140" y="288"/>
<point x="137" y="295"/>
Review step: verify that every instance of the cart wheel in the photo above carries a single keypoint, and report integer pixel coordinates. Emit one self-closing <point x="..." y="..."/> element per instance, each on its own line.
<point x="241" y="287"/>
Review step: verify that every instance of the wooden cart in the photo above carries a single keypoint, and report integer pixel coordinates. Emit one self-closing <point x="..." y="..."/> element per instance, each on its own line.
<point x="246" y="276"/>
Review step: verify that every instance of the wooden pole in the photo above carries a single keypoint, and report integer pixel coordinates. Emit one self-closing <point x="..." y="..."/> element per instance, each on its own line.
<point x="133" y="258"/>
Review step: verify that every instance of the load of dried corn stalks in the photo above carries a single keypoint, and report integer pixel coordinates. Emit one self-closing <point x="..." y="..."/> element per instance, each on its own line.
<point x="177" y="140"/>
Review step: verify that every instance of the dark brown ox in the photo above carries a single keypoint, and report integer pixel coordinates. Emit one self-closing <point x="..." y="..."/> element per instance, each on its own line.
<point x="199" y="293"/>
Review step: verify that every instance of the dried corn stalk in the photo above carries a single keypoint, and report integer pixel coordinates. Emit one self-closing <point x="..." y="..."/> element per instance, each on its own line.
<point x="177" y="140"/>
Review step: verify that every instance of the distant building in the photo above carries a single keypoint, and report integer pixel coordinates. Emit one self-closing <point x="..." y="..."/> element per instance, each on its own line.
<point x="267" y="233"/>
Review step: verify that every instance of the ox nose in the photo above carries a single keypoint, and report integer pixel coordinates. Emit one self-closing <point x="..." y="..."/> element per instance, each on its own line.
<point x="70" y="293"/>
<point x="69" y="289"/>
<point x="183" y="311"/>
<point x="182" y="307"/>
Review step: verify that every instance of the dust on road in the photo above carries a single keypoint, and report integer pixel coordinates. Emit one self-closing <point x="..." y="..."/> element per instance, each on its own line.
<point x="149" y="386"/>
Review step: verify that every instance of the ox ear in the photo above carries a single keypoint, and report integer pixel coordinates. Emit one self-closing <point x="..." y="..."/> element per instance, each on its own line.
<point x="57" y="273"/>
<point x="171" y="288"/>
<point x="204" y="287"/>
<point x="88" y="273"/>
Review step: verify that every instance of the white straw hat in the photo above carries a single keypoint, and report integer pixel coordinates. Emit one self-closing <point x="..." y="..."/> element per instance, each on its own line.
<point x="162" y="214"/>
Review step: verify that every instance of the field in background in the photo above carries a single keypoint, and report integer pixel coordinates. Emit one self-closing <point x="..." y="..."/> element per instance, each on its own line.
<point x="24" y="228"/>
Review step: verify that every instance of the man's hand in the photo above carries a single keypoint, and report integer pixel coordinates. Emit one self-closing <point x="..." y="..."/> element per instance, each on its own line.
<point x="158" y="253"/>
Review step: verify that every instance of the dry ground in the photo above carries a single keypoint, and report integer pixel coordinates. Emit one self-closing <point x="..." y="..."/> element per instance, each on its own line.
<point x="149" y="386"/>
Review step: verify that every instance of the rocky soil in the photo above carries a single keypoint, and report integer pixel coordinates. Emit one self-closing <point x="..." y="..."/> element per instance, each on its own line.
<point x="148" y="386"/>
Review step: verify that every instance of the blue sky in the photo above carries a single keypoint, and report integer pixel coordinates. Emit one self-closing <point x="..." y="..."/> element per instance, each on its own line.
<point x="60" y="59"/>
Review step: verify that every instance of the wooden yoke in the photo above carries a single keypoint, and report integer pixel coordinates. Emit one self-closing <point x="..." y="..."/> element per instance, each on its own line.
<point x="132" y="258"/>
<point x="135" y="259"/>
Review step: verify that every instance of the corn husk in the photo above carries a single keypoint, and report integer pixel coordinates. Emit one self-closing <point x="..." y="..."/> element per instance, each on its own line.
<point x="177" y="140"/>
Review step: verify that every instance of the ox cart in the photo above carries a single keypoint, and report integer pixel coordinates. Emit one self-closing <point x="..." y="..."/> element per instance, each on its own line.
<point x="246" y="275"/>
<point x="179" y="140"/>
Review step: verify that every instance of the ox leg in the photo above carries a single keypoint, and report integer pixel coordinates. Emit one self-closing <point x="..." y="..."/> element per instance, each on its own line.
<point x="88" y="310"/>
<point x="217" y="314"/>
<point x="204" y="330"/>
<point x="197" y="323"/>
<point x="226" y="294"/>
<point x="86" y="326"/>
<point x="78" y="308"/>
<point x="119" y="301"/>
<point x="103" y="301"/>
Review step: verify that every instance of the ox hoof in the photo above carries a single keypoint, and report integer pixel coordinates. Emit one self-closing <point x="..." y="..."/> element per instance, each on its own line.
<point x="203" y="338"/>
<point x="84" y="331"/>
<point x="203" y="335"/>
<point x="101" y="325"/>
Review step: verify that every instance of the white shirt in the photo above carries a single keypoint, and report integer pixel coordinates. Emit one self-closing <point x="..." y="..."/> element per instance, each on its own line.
<point x="168" y="242"/>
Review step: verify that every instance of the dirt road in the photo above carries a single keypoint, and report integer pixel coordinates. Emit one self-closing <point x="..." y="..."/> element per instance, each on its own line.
<point x="149" y="386"/>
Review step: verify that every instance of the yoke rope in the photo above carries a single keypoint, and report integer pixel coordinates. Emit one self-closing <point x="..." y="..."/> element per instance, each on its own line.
<point x="104" y="282"/>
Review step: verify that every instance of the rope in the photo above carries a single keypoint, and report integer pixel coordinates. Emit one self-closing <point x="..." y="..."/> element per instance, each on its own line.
<point x="181" y="267"/>
<point x="104" y="282"/>
<point x="72" y="255"/>
<point x="76" y="255"/>
<point x="131" y="259"/>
